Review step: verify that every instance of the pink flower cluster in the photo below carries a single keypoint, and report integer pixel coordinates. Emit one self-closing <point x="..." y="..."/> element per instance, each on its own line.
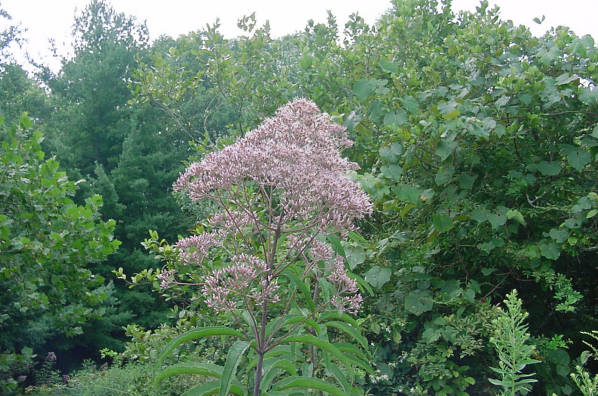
<point x="347" y="297"/>
<point x="297" y="154"/>
<point x="193" y="249"/>
<point x="290" y="171"/>
<point x="225" y="286"/>
<point x="166" y="278"/>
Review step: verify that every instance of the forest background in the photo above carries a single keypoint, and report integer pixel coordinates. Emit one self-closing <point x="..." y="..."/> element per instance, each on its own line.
<point x="477" y="144"/>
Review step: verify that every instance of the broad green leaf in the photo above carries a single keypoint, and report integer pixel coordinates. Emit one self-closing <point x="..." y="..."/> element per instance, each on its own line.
<point x="195" y="334"/>
<point x="391" y="152"/>
<point x="378" y="276"/>
<point x="578" y="158"/>
<point x="389" y="66"/>
<point x="230" y="366"/>
<point x="444" y="175"/>
<point x="418" y="301"/>
<point x="408" y="193"/>
<point x="393" y="172"/>
<point x="497" y="220"/>
<point x="442" y="222"/>
<point x="549" y="168"/>
<point x="410" y="103"/>
<point x="364" y="88"/>
<point x="549" y="249"/>
<point x="560" y="235"/>
<point x="355" y="256"/>
<point x="480" y="215"/>
<point x="466" y="181"/>
<point x="395" y="118"/>
<point x="445" y="149"/>
<point x="565" y="78"/>
<point x="309" y="383"/>
<point x="516" y="215"/>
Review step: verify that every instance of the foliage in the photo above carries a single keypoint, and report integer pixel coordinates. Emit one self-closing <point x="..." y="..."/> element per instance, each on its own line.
<point x="128" y="380"/>
<point x="583" y="379"/>
<point x="511" y="341"/>
<point x="46" y="243"/>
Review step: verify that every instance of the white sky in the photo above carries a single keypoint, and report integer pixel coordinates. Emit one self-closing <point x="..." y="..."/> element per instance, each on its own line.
<point x="45" y="19"/>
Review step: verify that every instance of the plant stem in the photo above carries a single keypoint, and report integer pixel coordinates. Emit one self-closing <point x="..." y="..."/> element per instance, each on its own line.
<point x="261" y="349"/>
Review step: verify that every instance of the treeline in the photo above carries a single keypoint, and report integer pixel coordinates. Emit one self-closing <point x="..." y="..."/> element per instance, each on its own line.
<point x="477" y="144"/>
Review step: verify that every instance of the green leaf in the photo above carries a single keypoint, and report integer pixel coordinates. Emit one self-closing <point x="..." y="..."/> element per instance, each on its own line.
<point x="211" y="388"/>
<point x="195" y="334"/>
<point x="444" y="175"/>
<point x="393" y="172"/>
<point x="408" y="193"/>
<point x="466" y="181"/>
<point x="497" y="220"/>
<point x="355" y="256"/>
<point x="388" y="66"/>
<point x="578" y="158"/>
<point x="560" y="235"/>
<point x="301" y="286"/>
<point x="309" y="383"/>
<point x="549" y="168"/>
<point x="516" y="215"/>
<point x="340" y="377"/>
<point x="410" y="103"/>
<point x="391" y="152"/>
<point x="350" y="331"/>
<point x="378" y="276"/>
<point x="549" y="249"/>
<point x="442" y="222"/>
<point x="395" y="118"/>
<point x="230" y="366"/>
<point x="328" y="347"/>
<point x="565" y="78"/>
<point x="418" y="301"/>
<point x="364" y="88"/>
<point x="206" y="369"/>
<point x="336" y="245"/>
<point x="445" y="149"/>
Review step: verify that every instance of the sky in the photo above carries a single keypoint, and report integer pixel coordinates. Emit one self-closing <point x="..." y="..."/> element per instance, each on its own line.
<point x="53" y="19"/>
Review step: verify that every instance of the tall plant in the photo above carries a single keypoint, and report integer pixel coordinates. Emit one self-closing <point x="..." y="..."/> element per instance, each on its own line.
<point x="279" y="195"/>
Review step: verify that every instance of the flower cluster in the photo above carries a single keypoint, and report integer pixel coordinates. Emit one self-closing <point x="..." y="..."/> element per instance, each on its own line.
<point x="347" y="297"/>
<point x="295" y="153"/>
<point x="221" y="287"/>
<point x="289" y="171"/>
<point x="166" y="278"/>
<point x="193" y="249"/>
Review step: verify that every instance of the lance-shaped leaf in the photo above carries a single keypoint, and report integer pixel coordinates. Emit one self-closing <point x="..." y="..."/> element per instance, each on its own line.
<point x="211" y="388"/>
<point x="232" y="361"/>
<point x="331" y="349"/>
<point x="350" y="331"/>
<point x="206" y="369"/>
<point x="309" y="383"/>
<point x="195" y="334"/>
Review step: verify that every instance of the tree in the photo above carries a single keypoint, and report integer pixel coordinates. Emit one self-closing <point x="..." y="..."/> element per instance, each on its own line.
<point x="47" y="244"/>
<point x="92" y="89"/>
